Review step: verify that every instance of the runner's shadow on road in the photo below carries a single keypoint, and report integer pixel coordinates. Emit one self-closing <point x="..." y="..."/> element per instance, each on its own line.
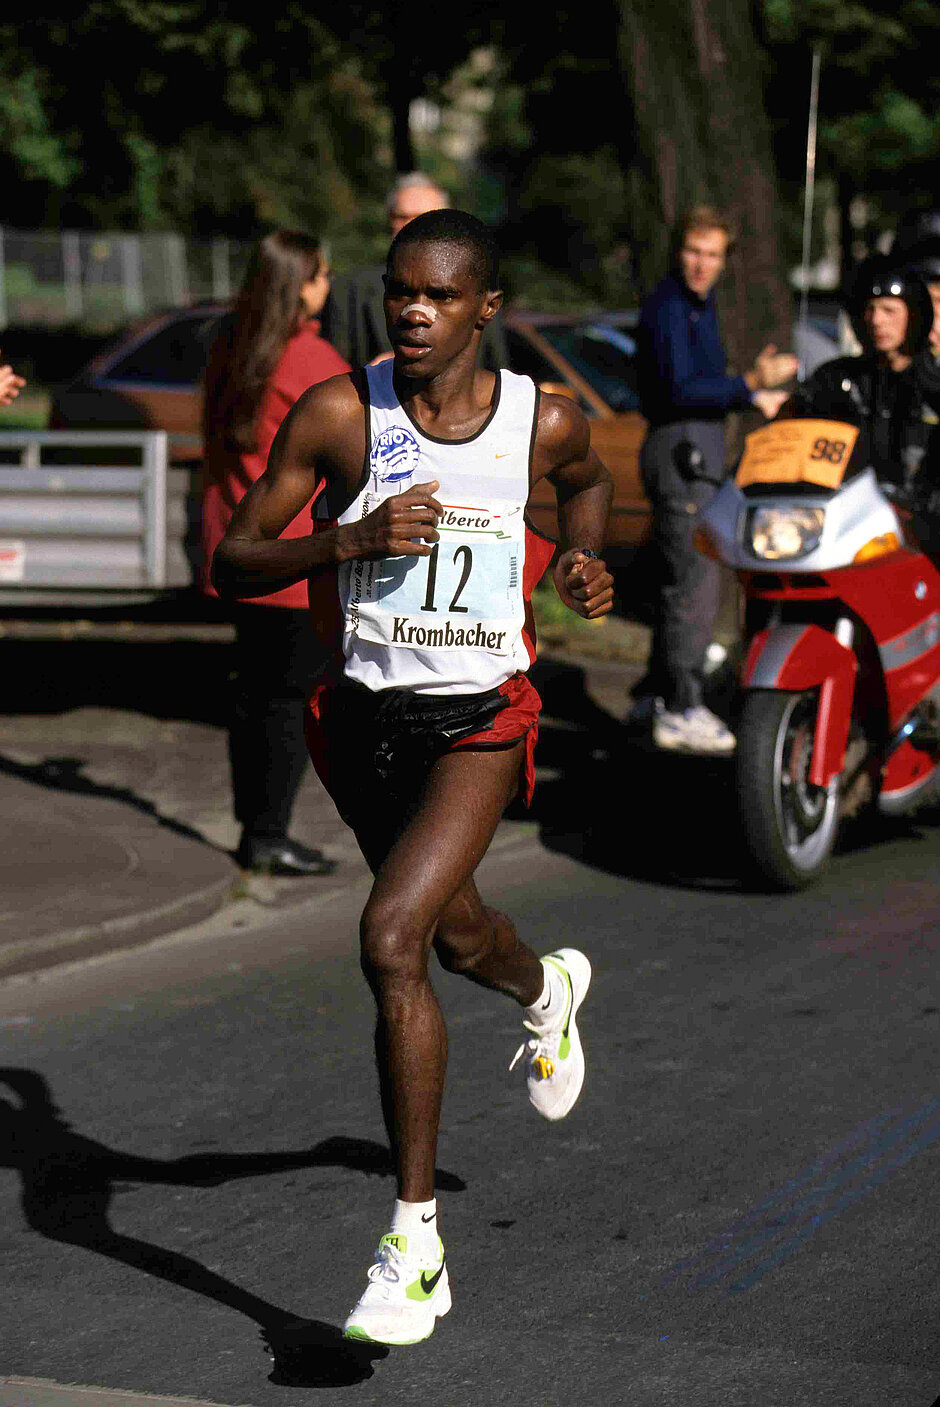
<point x="65" y="774"/>
<point x="69" y="1181"/>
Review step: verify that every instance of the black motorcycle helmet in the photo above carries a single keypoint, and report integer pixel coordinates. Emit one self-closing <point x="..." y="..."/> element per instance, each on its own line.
<point x="880" y="277"/>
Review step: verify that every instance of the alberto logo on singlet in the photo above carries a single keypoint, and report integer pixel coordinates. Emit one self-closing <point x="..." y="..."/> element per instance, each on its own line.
<point x="394" y="455"/>
<point x="471" y="520"/>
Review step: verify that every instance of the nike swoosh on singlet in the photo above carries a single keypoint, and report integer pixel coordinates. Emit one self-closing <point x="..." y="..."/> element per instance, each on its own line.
<point x="428" y="1283"/>
<point x="428" y="1218"/>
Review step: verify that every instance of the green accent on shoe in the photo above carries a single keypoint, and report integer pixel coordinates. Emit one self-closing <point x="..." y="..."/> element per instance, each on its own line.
<point x="423" y="1288"/>
<point x="564" y="1045"/>
<point x="361" y="1336"/>
<point x="396" y="1239"/>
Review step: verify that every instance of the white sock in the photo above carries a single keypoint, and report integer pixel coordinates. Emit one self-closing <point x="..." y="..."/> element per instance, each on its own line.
<point x="417" y="1221"/>
<point x="551" y="1004"/>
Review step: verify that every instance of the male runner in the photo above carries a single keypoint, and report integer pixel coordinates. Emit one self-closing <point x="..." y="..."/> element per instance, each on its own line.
<point x="420" y="567"/>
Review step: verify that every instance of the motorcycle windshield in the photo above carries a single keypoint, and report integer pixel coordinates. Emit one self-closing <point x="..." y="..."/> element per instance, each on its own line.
<point x="816" y="452"/>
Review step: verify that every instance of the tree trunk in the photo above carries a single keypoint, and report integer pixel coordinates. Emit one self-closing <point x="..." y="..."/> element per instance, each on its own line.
<point x="692" y="72"/>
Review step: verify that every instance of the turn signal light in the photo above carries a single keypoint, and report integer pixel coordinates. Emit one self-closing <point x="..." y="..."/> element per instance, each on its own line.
<point x="877" y="547"/>
<point x="702" y="542"/>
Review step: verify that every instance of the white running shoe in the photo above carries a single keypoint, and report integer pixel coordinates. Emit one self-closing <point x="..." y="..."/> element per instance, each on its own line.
<point x="696" y="730"/>
<point x="405" y="1295"/>
<point x="554" y="1060"/>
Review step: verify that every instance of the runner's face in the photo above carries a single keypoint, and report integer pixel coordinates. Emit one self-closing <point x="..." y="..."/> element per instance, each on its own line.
<point x="433" y="307"/>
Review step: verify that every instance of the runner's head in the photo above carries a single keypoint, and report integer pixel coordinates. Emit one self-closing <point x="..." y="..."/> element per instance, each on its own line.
<point x="441" y="289"/>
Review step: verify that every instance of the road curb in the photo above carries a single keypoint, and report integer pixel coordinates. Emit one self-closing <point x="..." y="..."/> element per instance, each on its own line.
<point x="35" y="954"/>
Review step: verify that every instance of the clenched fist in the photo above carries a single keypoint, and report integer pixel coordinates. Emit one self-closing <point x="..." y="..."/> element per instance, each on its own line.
<point x="584" y="584"/>
<point x="401" y="526"/>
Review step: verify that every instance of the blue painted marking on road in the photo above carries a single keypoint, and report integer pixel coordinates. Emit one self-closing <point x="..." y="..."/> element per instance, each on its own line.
<point x="790" y="1247"/>
<point x="881" y="1146"/>
<point x="725" y="1240"/>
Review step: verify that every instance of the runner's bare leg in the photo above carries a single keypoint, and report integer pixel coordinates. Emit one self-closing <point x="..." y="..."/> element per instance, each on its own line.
<point x="424" y="888"/>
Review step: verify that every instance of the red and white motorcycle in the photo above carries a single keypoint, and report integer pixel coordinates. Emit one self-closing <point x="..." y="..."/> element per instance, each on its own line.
<point x="841" y="679"/>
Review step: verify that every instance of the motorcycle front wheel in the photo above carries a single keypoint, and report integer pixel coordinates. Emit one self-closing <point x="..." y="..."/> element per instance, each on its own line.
<point x="789" y="825"/>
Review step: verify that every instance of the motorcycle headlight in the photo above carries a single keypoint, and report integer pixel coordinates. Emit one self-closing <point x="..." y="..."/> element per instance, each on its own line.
<point x="780" y="534"/>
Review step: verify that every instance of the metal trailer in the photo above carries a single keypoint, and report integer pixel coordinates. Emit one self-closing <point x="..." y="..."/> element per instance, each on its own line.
<point x="76" y="532"/>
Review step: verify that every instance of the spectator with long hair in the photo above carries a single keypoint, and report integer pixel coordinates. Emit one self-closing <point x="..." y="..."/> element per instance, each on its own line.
<point x="268" y="351"/>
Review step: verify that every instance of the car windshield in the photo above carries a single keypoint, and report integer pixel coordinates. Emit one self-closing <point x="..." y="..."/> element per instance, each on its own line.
<point x="603" y="354"/>
<point x="174" y="355"/>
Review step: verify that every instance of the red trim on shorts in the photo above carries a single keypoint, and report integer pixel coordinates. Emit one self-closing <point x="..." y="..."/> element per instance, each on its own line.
<point x="518" y="720"/>
<point x="316" y="721"/>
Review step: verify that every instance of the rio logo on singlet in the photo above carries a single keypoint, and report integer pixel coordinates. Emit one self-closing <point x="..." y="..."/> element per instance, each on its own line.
<point x="394" y="455"/>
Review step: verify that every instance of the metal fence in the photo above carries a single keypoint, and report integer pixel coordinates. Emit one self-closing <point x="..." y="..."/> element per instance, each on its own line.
<point x="76" y="531"/>
<point x="101" y="280"/>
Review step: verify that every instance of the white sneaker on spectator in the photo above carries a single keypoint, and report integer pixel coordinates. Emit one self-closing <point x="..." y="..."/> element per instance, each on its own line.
<point x="694" y="730"/>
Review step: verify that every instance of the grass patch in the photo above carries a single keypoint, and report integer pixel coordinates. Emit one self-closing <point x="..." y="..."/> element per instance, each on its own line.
<point x="30" y="411"/>
<point x="610" y="638"/>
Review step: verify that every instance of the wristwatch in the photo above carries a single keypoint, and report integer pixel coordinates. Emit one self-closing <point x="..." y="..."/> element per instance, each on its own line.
<point x="586" y="552"/>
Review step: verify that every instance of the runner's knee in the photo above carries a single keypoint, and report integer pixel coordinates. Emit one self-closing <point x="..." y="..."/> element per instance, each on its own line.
<point x="392" y="946"/>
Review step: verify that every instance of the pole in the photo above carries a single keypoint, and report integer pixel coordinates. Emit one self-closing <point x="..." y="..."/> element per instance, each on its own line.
<point x="809" y="189"/>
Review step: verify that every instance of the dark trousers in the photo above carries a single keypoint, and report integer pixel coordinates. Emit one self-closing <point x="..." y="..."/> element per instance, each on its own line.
<point x="679" y="484"/>
<point x="277" y="659"/>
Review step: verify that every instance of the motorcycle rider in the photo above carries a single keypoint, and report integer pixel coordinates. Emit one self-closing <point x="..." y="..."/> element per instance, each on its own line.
<point x="893" y="389"/>
<point x="924" y="259"/>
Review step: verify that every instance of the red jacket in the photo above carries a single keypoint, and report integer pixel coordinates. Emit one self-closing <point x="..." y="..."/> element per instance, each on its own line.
<point x="306" y="359"/>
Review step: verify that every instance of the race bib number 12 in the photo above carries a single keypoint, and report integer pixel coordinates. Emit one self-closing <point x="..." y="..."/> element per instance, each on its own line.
<point x="466" y="593"/>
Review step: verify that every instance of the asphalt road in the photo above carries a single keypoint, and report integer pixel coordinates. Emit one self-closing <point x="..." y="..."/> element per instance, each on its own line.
<point x="742" y="1209"/>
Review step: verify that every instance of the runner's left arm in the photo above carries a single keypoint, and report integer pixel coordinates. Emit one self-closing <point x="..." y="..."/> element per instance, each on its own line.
<point x="584" y="489"/>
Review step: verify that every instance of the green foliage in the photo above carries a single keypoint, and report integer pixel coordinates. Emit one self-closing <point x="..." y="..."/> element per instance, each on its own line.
<point x="879" y="95"/>
<point x="145" y="114"/>
<point x="25" y="132"/>
<point x="183" y="114"/>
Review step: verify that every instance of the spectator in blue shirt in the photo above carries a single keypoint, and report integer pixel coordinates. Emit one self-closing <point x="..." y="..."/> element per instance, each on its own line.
<point x="686" y="393"/>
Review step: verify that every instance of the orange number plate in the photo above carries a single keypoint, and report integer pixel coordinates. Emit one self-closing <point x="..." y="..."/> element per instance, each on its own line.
<point x="797" y="451"/>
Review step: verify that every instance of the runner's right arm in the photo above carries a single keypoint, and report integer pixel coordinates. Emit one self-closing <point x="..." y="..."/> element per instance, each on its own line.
<point x="319" y="448"/>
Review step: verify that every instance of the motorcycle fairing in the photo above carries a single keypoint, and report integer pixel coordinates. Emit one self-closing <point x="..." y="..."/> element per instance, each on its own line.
<point x="798" y="657"/>
<point x="858" y="512"/>
<point x="899" y="600"/>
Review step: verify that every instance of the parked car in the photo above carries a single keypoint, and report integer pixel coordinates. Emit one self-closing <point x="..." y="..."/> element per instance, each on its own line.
<point x="593" y="360"/>
<point x="149" y="379"/>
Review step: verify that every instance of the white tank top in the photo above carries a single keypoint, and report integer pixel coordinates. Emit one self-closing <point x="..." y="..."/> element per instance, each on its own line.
<point x="451" y="622"/>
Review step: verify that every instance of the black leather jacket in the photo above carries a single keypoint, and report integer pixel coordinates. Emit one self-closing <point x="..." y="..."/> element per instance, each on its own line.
<point x="900" y="411"/>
